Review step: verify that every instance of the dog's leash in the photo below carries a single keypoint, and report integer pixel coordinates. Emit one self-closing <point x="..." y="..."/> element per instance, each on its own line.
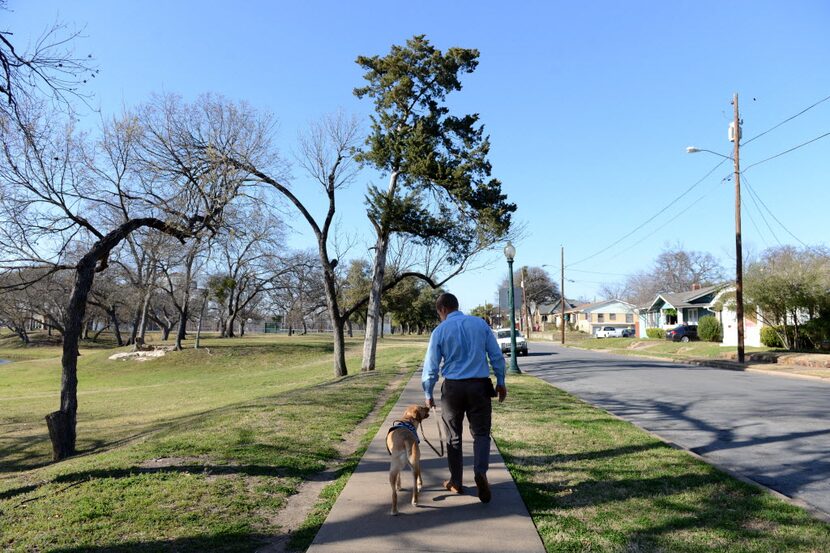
<point x="438" y="421"/>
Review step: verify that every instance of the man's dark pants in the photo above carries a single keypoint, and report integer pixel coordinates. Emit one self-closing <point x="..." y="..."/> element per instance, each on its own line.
<point x="470" y="397"/>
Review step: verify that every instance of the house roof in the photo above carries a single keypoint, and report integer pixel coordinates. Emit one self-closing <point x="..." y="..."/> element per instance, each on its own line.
<point x="587" y="306"/>
<point x="684" y="299"/>
<point x="555" y="307"/>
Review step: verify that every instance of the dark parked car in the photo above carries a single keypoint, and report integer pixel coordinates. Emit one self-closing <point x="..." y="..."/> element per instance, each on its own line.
<point x="628" y="332"/>
<point x="682" y="333"/>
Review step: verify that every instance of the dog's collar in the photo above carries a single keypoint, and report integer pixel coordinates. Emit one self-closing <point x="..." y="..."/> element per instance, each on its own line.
<point x="403" y="424"/>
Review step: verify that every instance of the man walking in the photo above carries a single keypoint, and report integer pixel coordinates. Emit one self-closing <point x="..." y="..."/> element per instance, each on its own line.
<point x="465" y="344"/>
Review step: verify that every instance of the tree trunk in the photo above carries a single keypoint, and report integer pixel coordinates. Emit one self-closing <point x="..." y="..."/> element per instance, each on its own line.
<point x="62" y="423"/>
<point x="165" y="332"/>
<point x="98" y="333"/>
<point x="370" y="342"/>
<point x="116" y="329"/>
<point x="349" y="326"/>
<point x="136" y="322"/>
<point x="145" y="318"/>
<point x="227" y="331"/>
<point x="181" y="333"/>
<point x="22" y="334"/>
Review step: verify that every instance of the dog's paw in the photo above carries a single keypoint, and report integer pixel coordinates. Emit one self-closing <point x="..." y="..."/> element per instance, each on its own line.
<point x="394" y="512"/>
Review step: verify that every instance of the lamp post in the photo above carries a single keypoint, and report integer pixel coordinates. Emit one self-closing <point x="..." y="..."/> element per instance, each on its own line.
<point x="510" y="253"/>
<point x="735" y="136"/>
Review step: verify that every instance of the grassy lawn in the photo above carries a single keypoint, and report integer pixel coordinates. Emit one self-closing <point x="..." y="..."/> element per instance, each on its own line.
<point x="194" y="451"/>
<point x="595" y="483"/>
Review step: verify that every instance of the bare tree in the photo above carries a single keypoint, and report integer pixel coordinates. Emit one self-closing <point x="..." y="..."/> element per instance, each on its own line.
<point x="49" y="69"/>
<point x="674" y="270"/>
<point x="246" y="262"/>
<point x="59" y="190"/>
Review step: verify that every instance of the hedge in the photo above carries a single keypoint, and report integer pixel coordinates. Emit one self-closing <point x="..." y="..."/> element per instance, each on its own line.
<point x="656" y="333"/>
<point x="709" y="329"/>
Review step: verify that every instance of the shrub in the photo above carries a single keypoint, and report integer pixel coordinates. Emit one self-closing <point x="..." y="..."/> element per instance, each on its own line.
<point x="658" y="333"/>
<point x="709" y="329"/>
<point x="817" y="331"/>
<point x="770" y="338"/>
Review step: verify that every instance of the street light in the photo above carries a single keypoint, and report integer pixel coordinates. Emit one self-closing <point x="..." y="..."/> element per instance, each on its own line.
<point x="510" y="253"/>
<point x="735" y="137"/>
<point x="695" y="149"/>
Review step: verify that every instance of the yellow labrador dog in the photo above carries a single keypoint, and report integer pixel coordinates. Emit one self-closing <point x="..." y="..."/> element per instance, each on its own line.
<point x="402" y="442"/>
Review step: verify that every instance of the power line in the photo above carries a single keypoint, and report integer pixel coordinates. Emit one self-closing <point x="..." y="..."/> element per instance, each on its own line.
<point x="755" y="199"/>
<point x="774" y="217"/>
<point x="664" y="225"/>
<point x="650" y="219"/>
<point x="788" y="119"/>
<point x="600" y="272"/>
<point x="755" y="225"/>
<point x="786" y="151"/>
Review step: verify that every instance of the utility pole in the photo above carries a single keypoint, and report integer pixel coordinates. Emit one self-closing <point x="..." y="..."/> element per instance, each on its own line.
<point x="739" y="261"/>
<point x="525" y="310"/>
<point x="562" y="290"/>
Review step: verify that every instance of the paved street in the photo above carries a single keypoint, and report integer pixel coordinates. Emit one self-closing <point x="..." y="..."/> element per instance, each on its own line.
<point x="774" y="430"/>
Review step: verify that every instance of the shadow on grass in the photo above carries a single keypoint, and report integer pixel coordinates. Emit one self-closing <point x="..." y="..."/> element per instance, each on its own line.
<point x="674" y="511"/>
<point x="17" y="454"/>
<point x="223" y="542"/>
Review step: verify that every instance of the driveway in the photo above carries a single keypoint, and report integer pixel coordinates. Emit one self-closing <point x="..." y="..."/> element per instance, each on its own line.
<point x="774" y="430"/>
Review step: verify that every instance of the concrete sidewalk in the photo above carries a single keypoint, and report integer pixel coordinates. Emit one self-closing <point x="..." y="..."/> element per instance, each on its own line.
<point x="442" y="522"/>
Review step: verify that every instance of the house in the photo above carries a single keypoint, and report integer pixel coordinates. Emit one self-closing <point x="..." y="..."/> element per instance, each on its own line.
<point x="590" y="317"/>
<point x="669" y="309"/>
<point x="728" y="318"/>
<point x="549" y="314"/>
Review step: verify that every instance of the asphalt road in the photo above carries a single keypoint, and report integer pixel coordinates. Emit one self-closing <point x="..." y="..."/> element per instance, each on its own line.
<point x="771" y="429"/>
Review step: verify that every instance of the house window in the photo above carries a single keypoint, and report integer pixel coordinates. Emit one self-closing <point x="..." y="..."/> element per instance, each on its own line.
<point x="600" y="317"/>
<point x="629" y="317"/>
<point x="612" y="317"/>
<point x="692" y="316"/>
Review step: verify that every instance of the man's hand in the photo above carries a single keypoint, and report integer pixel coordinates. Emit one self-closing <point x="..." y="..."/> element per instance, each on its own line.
<point x="430" y="403"/>
<point x="501" y="391"/>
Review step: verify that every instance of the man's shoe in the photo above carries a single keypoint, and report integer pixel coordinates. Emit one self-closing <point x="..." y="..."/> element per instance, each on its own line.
<point x="483" y="488"/>
<point x="451" y="486"/>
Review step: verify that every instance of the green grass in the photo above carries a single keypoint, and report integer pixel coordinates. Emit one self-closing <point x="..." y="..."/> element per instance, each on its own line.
<point x="190" y="452"/>
<point x="595" y="483"/>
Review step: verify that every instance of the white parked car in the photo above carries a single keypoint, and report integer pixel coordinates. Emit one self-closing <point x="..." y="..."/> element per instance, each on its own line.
<point x="611" y="332"/>
<point x="503" y="338"/>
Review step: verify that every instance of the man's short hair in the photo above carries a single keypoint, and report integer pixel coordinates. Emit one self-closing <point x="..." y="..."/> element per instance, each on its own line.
<point x="447" y="301"/>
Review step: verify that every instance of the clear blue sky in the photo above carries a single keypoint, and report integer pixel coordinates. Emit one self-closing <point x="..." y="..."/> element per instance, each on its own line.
<point x="589" y="107"/>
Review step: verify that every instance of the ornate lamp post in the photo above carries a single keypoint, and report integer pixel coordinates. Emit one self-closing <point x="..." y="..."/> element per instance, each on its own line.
<point x="510" y="253"/>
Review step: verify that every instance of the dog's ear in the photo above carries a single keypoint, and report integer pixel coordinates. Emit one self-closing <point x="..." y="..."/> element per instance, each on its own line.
<point x="412" y="412"/>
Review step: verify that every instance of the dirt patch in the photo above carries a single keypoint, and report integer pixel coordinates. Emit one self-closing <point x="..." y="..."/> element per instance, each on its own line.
<point x="163" y="462"/>
<point x="300" y="505"/>
<point x="639" y="345"/>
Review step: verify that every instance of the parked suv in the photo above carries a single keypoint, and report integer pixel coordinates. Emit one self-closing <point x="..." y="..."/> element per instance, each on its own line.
<point x="682" y="333"/>
<point x="503" y="338"/>
<point x="609" y="332"/>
